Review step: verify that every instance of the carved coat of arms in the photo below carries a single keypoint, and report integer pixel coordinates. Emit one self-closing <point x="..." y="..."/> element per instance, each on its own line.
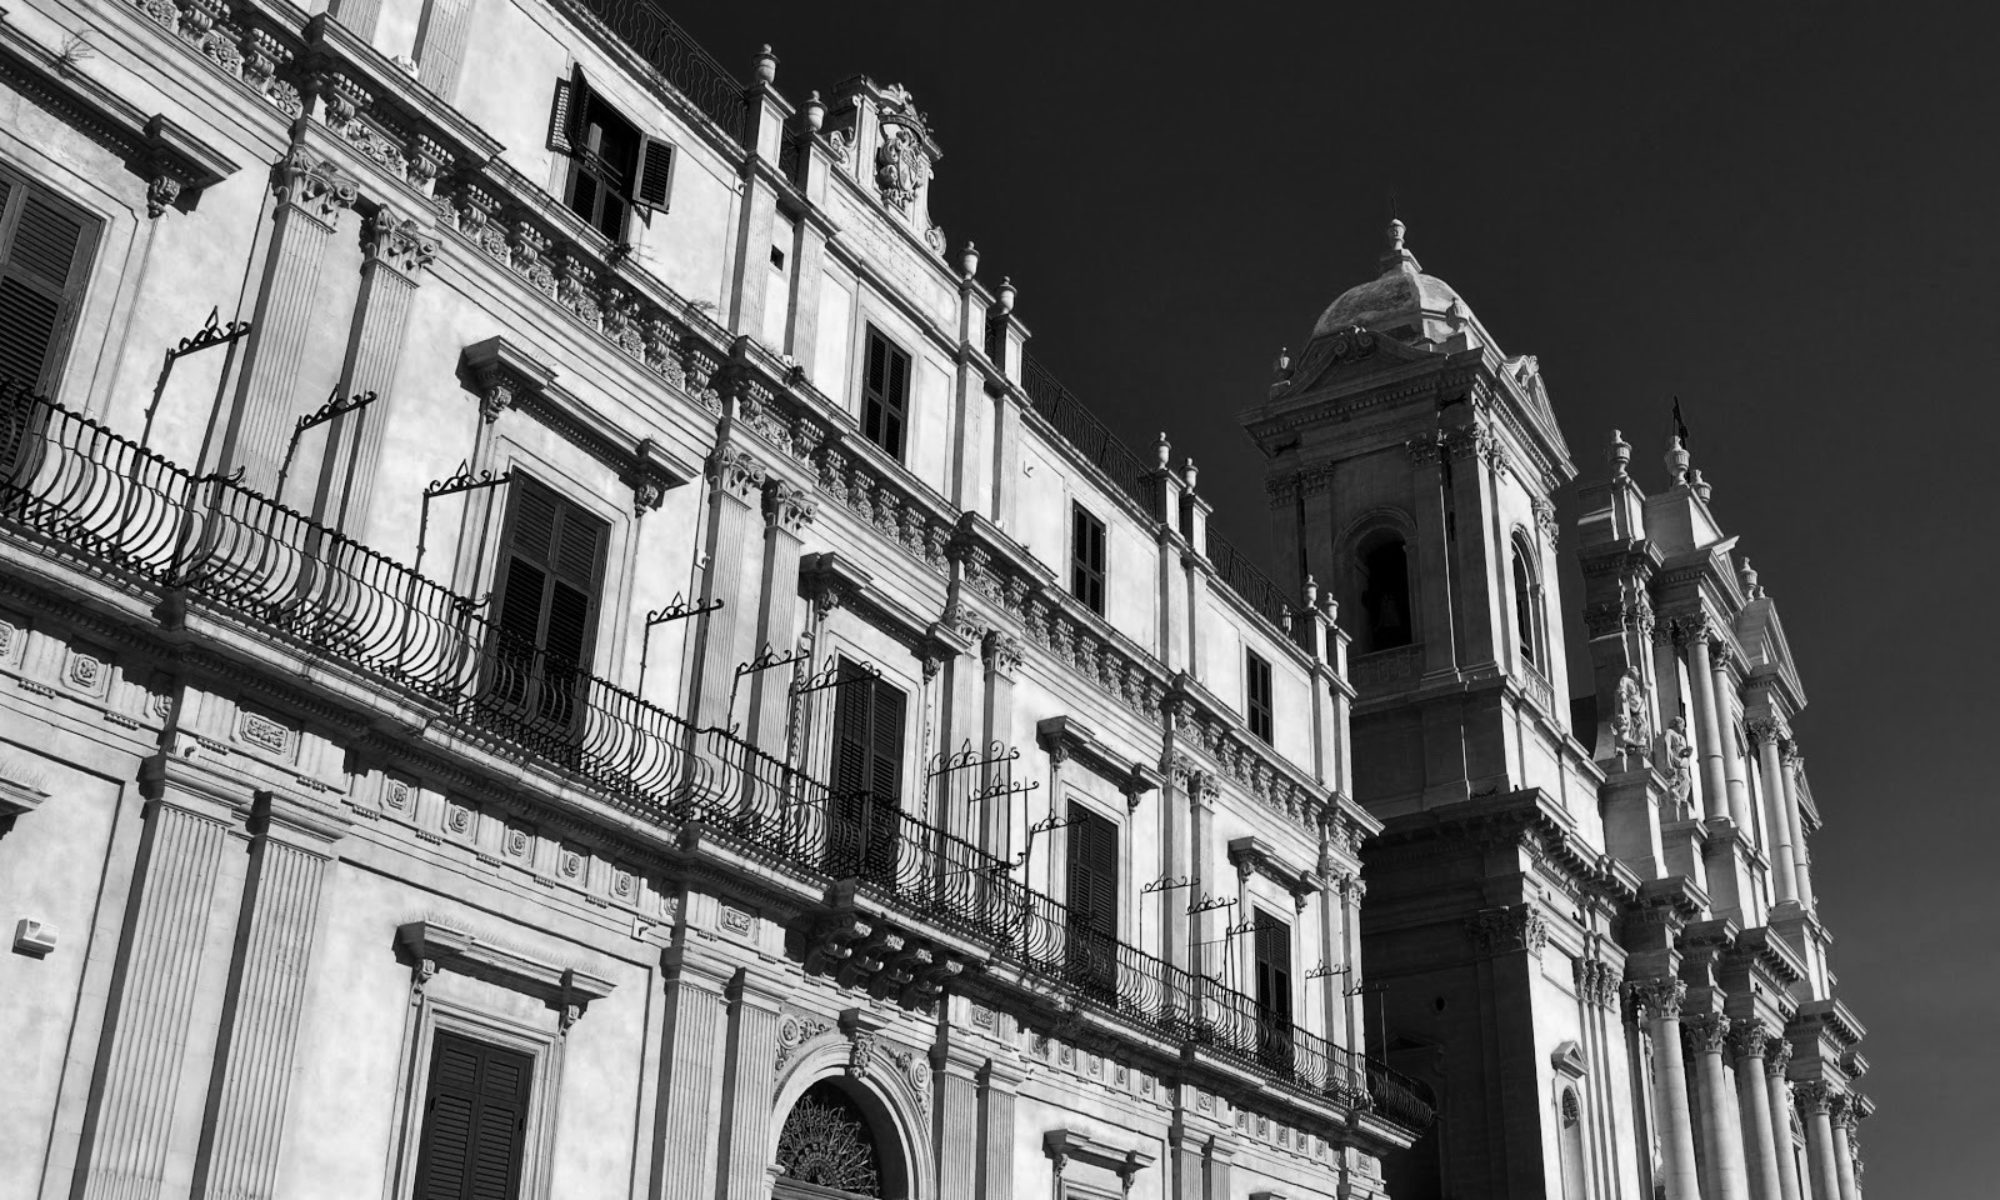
<point x="901" y="166"/>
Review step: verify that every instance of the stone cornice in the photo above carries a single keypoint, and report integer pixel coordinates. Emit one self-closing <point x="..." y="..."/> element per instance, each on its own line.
<point x="1253" y="854"/>
<point x="433" y="946"/>
<point x="1065" y="737"/>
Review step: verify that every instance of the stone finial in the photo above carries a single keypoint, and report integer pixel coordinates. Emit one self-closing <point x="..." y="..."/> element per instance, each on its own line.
<point x="815" y="111"/>
<point x="1311" y="593"/>
<point x="1621" y="454"/>
<point x="1283" y="365"/>
<point x="1398" y="255"/>
<point x="766" y="64"/>
<point x="1163" y="451"/>
<point x="1396" y="231"/>
<point x="1747" y="576"/>
<point x="1190" y="473"/>
<point x="968" y="260"/>
<point x="1677" y="461"/>
<point x="1005" y="295"/>
<point x="1698" y="485"/>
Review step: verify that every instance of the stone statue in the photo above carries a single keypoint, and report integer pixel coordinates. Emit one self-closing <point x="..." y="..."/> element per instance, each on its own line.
<point x="1676" y="750"/>
<point x="1630" y="730"/>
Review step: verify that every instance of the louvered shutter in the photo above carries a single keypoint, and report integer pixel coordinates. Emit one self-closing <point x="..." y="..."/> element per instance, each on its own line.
<point x="885" y="780"/>
<point x="1274" y="966"/>
<point x="568" y="113"/>
<point x="656" y="172"/>
<point x="852" y="707"/>
<point x="474" y="1121"/>
<point x="44" y="251"/>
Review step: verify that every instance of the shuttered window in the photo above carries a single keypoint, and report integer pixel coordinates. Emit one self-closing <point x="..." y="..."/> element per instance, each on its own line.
<point x="551" y="571"/>
<point x="1273" y="954"/>
<point x="614" y="169"/>
<point x="1086" y="559"/>
<point x="885" y="393"/>
<point x="868" y="719"/>
<point x="475" y="1121"/>
<point x="45" y="250"/>
<point x="1257" y="693"/>
<point x="1093" y="901"/>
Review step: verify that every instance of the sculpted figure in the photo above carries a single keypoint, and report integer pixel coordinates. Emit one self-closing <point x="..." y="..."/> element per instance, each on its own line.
<point x="1674" y="747"/>
<point x="1629" y="726"/>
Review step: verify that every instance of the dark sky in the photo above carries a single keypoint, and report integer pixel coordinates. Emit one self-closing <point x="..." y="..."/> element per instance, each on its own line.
<point x="1780" y="212"/>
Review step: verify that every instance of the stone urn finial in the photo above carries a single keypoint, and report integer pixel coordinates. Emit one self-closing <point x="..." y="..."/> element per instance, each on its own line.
<point x="1677" y="461"/>
<point x="1005" y="295"/>
<point x="1283" y="366"/>
<point x="1312" y="593"/>
<point x="1747" y="576"/>
<point x="968" y="260"/>
<point x="1163" y="451"/>
<point x="1698" y="485"/>
<point x="766" y="64"/>
<point x="1621" y="454"/>
<point x="1191" y="473"/>
<point x="1396" y="231"/>
<point x="815" y="111"/>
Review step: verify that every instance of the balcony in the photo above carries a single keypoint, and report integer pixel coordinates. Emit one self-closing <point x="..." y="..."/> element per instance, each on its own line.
<point x="85" y="496"/>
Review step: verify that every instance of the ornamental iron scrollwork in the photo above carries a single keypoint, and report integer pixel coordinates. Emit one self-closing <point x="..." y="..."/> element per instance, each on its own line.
<point x="826" y="1142"/>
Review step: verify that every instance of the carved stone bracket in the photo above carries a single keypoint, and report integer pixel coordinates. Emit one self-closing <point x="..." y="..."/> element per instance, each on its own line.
<point x="863" y="1029"/>
<point x="1251" y="854"/>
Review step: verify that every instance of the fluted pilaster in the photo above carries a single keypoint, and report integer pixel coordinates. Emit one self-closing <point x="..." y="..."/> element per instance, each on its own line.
<point x="997" y="1093"/>
<point x="690" y="1050"/>
<point x="736" y="480"/>
<point x="788" y="510"/>
<point x="753" y="1053"/>
<point x="955" y="1129"/>
<point x="125" y="1137"/>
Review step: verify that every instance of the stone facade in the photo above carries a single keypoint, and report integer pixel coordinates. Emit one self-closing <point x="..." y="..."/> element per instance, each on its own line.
<point x="432" y="683"/>
<point x="1591" y="922"/>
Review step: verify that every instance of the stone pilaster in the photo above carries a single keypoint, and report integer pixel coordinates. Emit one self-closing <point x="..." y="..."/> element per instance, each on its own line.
<point x="955" y="1120"/>
<point x="396" y="250"/>
<point x="1816" y="1101"/>
<point x="1659" y="1002"/>
<point x="1002" y="654"/>
<point x="310" y="196"/>
<point x="1708" y="725"/>
<point x="1184" y="1150"/>
<point x="1747" y="1040"/>
<point x="1219" y="1159"/>
<point x="1777" y="816"/>
<point x="1778" y="1055"/>
<point x="441" y="44"/>
<point x="788" y="509"/>
<point x="736" y="480"/>
<point x="359" y="15"/>
<point x="746" y="1094"/>
<point x="292" y="844"/>
<point x="999" y="1085"/>
<point x="1706" y="1035"/>
<point x="126" y="1133"/>
<point x="690" y="1080"/>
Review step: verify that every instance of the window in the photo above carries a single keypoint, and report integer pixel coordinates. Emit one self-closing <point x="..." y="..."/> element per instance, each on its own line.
<point x="551" y="569"/>
<point x="826" y="1141"/>
<point x="1093" y="902"/>
<point x="1272" y="951"/>
<point x="1385" y="591"/>
<point x="475" y="1121"/>
<point x="45" y="249"/>
<point x="1086" y="559"/>
<point x="1527" y="604"/>
<point x="1573" y="1179"/>
<point x="867" y="776"/>
<point x="1257" y="689"/>
<point x="885" y="393"/>
<point x="614" y="169"/>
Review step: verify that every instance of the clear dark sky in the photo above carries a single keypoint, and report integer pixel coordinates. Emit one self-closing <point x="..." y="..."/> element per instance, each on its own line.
<point x="1783" y="213"/>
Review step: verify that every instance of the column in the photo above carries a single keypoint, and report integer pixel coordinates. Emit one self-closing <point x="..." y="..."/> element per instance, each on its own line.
<point x="441" y="44"/>
<point x="125" y="1135"/>
<point x="1747" y="1039"/>
<point x="788" y="509"/>
<point x="1777" y="814"/>
<point x="745" y="1149"/>
<point x="395" y="252"/>
<point x="1801" y="870"/>
<point x="1221" y="1156"/>
<point x="1708" y="730"/>
<point x="1732" y="762"/>
<point x="1659" y="1001"/>
<point x="736" y="479"/>
<point x="1722" y="1134"/>
<point x="1844" y="1122"/>
<point x="311" y="194"/>
<point x="245" y="1124"/>
<point x="1353" y="890"/>
<point x="955" y="1129"/>
<point x="1816" y="1100"/>
<point x="690" y="1080"/>
<point x="1777" y="1055"/>
<point x="1177" y="853"/>
<point x="999" y="1082"/>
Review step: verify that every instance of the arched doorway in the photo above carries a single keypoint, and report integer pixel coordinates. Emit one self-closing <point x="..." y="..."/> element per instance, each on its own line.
<point x="839" y="1141"/>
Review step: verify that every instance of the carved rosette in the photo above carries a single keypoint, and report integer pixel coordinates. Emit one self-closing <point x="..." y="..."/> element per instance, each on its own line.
<point x="1656" y="999"/>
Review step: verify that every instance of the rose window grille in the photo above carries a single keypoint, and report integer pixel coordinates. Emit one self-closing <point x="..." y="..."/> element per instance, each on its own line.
<point x="826" y="1141"/>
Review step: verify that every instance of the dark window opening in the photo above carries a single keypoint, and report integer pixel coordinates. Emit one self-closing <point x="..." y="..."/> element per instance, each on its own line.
<point x="885" y="393"/>
<point x="1092" y="962"/>
<point x="547" y="596"/>
<point x="1273" y="954"/>
<point x="1257" y="677"/>
<point x="778" y="258"/>
<point x="1527" y="608"/>
<point x="866" y="824"/>
<point x="45" y="250"/>
<point x="1385" y="593"/>
<point x="614" y="169"/>
<point x="1086" y="559"/>
<point x="827" y="1141"/>
<point x="475" y="1121"/>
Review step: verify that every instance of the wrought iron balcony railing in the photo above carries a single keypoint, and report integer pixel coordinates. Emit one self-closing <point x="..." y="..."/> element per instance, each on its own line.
<point x="80" y="492"/>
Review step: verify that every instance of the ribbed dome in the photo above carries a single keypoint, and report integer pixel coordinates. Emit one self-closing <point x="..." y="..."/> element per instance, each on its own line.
<point x="1402" y="296"/>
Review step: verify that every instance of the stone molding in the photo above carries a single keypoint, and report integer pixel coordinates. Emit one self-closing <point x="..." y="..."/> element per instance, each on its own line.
<point x="1066" y="1145"/>
<point x="1065" y="737"/>
<point x="1503" y="929"/>
<point x="433" y="946"/>
<point x="1252" y="854"/>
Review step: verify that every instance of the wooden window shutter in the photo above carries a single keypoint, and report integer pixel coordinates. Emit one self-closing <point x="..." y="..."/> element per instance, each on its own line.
<point x="1093" y="871"/>
<point x="474" y="1122"/>
<point x="1274" y="965"/>
<point x="554" y="565"/>
<point x="656" y="172"/>
<point x="886" y="771"/>
<point x="852" y="701"/>
<point x="44" y="259"/>
<point x="569" y="112"/>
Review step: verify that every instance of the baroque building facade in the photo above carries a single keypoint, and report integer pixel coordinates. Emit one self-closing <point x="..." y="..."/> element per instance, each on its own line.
<point x="602" y="668"/>
<point x="1591" y="924"/>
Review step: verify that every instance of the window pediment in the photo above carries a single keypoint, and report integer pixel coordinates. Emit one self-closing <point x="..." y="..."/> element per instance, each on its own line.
<point x="433" y="946"/>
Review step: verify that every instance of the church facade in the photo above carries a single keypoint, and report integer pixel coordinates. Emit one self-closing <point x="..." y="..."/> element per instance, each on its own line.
<point x="1590" y="926"/>
<point x="557" y="644"/>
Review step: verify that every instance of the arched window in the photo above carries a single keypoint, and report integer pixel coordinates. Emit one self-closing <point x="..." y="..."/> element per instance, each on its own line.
<point x="828" y="1141"/>
<point x="1385" y="590"/>
<point x="1528" y="605"/>
<point x="1571" y="1135"/>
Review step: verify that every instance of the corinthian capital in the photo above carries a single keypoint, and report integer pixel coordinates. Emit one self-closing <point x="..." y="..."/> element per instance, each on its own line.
<point x="399" y="242"/>
<point x="1659" y="999"/>
<point x="1813" y="1097"/>
<point x="313" y="185"/>
<point x="1706" y="1033"/>
<point x="788" y="506"/>
<point x="1777" y="1056"/>
<point x="1747" y="1039"/>
<point x="735" y="471"/>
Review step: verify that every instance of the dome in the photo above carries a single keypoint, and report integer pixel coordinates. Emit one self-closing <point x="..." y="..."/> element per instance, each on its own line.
<point x="1401" y="299"/>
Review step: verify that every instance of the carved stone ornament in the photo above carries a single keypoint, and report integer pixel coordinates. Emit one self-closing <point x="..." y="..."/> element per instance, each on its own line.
<point x="1705" y="1034"/>
<point x="736" y="921"/>
<point x="1497" y="930"/>
<point x="902" y="164"/>
<point x="1813" y="1097"/>
<point x="1631" y="728"/>
<point x="1656" y="999"/>
<point x="794" y="1031"/>
<point x="1747" y="1039"/>
<point x="788" y="506"/>
<point x="737" y="472"/>
<point x="313" y="185"/>
<point x="397" y="241"/>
